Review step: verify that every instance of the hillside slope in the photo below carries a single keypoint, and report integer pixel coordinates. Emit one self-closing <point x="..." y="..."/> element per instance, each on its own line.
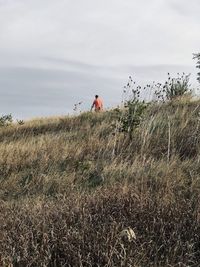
<point x="70" y="185"/>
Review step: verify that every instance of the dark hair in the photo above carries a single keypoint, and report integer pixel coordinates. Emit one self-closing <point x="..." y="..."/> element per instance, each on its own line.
<point x="96" y="96"/>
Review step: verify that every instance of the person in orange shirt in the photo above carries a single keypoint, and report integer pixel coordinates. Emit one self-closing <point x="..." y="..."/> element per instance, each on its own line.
<point x="97" y="104"/>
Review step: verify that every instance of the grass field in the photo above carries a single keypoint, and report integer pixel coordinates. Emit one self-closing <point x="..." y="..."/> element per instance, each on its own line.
<point x="70" y="186"/>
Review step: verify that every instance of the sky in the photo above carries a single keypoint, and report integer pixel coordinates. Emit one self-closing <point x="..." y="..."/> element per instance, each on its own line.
<point x="54" y="54"/>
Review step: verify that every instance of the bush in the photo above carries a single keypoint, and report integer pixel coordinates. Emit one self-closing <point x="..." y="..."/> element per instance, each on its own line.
<point x="6" y="120"/>
<point x="173" y="87"/>
<point x="133" y="116"/>
<point x="133" y="109"/>
<point x="197" y="56"/>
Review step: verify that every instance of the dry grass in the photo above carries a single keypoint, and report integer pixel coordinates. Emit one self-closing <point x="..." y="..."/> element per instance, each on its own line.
<point x="70" y="186"/>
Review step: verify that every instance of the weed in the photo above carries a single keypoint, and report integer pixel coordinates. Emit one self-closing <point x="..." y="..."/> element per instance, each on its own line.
<point x="197" y="57"/>
<point x="5" y="120"/>
<point x="173" y="87"/>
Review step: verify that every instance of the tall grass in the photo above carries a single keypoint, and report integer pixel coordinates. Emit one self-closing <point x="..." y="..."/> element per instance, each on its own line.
<point x="70" y="186"/>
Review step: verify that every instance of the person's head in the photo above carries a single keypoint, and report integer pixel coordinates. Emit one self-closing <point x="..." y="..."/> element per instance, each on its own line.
<point x="96" y="96"/>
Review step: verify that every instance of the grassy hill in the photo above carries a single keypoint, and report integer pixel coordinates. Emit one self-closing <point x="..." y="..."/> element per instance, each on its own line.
<point x="70" y="188"/>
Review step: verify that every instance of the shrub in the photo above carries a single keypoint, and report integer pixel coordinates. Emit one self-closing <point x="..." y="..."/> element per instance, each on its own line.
<point x="173" y="87"/>
<point x="197" y="56"/>
<point x="133" y="109"/>
<point x="6" y="120"/>
<point x="132" y="116"/>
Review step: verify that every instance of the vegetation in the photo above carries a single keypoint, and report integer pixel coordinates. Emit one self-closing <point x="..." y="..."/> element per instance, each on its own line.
<point x="197" y="57"/>
<point x="6" y="120"/>
<point x="173" y="88"/>
<point x="132" y="112"/>
<point x="70" y="187"/>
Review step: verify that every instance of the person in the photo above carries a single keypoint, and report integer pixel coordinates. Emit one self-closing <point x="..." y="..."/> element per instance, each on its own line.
<point x="97" y="104"/>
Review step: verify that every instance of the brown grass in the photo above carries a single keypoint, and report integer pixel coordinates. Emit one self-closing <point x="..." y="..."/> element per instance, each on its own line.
<point x="71" y="185"/>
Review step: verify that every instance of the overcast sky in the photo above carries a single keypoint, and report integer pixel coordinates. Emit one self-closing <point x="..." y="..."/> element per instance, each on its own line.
<point x="56" y="53"/>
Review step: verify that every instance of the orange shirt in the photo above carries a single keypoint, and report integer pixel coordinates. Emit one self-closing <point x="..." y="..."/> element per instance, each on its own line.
<point x="98" y="103"/>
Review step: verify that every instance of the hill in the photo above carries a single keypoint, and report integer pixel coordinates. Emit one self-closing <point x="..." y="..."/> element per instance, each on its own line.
<point x="72" y="186"/>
